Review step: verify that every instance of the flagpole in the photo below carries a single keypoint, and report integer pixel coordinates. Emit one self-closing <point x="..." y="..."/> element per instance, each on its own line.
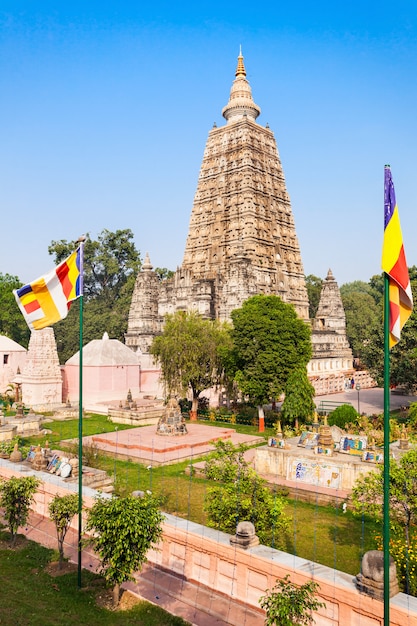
<point x="81" y="241"/>
<point x="386" y="526"/>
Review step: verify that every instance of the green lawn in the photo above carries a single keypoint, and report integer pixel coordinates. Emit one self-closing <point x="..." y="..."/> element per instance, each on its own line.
<point x="31" y="597"/>
<point x="321" y="534"/>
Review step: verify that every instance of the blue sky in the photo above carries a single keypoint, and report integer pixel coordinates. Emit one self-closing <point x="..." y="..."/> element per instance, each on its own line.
<point x="106" y="107"/>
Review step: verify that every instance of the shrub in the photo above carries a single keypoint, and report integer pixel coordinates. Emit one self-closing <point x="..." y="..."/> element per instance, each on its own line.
<point x="342" y="416"/>
<point x="405" y="560"/>
<point x="17" y="494"/>
<point x="289" y="605"/>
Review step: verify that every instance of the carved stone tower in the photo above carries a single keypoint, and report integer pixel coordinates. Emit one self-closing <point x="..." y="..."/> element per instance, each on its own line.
<point x="331" y="350"/>
<point x="242" y="233"/>
<point x="144" y="322"/>
<point x="241" y="240"/>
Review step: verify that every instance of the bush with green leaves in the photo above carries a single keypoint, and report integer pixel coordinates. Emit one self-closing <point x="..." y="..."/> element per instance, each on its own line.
<point x="343" y="415"/>
<point x="123" y="530"/>
<point x="17" y="494"/>
<point x="289" y="605"/>
<point x="405" y="558"/>
<point x="61" y="511"/>
<point x="241" y="495"/>
<point x="412" y="414"/>
<point x="7" y="447"/>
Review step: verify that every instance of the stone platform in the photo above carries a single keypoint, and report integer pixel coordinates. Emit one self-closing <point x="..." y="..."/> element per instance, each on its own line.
<point x="143" y="445"/>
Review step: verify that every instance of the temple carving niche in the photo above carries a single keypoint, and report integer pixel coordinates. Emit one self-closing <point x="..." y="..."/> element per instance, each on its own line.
<point x="241" y="238"/>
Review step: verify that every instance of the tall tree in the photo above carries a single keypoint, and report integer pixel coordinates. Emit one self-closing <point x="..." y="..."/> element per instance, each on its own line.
<point x="12" y="323"/>
<point x="368" y="492"/>
<point x="163" y="273"/>
<point x="269" y="342"/>
<point x="188" y="352"/>
<point x="403" y="356"/>
<point x="108" y="262"/>
<point x="299" y="397"/>
<point x="110" y="266"/>
<point x="356" y="286"/>
<point x="314" y="286"/>
<point x="362" y="316"/>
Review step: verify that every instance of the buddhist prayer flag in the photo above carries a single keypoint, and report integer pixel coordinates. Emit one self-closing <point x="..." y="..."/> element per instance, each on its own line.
<point x="47" y="300"/>
<point x="394" y="264"/>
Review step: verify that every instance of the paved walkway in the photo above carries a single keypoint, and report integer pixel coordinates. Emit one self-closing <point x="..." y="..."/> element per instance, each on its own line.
<point x="368" y="401"/>
<point x="195" y="604"/>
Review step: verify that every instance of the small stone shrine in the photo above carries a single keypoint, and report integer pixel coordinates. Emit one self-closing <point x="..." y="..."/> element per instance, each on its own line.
<point x="39" y="462"/>
<point x="24" y="424"/>
<point x="16" y="456"/>
<point x="325" y="441"/>
<point x="371" y="578"/>
<point x="172" y="421"/>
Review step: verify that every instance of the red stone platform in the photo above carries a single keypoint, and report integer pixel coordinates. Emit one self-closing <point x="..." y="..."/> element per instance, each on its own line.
<point x="143" y="445"/>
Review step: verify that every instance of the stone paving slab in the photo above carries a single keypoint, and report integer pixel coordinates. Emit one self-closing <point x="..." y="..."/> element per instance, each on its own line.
<point x="145" y="446"/>
<point x="369" y="401"/>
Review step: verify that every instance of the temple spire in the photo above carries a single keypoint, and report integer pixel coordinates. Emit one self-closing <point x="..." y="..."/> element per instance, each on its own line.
<point x="240" y="103"/>
<point x="240" y="70"/>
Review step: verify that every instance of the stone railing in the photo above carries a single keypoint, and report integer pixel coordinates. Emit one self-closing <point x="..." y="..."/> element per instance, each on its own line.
<point x="335" y="383"/>
<point x="207" y="558"/>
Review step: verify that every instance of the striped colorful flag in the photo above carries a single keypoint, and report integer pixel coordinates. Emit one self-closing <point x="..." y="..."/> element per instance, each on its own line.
<point x="394" y="264"/>
<point x="47" y="299"/>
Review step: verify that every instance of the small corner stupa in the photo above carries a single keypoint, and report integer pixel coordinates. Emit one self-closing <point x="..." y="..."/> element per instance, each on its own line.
<point x="41" y="375"/>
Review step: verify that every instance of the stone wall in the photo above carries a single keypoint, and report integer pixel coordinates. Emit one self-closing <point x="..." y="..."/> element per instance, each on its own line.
<point x="207" y="558"/>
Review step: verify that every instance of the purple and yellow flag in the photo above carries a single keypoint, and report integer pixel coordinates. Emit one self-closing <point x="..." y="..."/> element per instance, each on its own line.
<point x="394" y="264"/>
<point x="47" y="299"/>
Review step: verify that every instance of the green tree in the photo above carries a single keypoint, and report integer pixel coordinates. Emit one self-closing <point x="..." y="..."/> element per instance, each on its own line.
<point x="124" y="529"/>
<point x="111" y="264"/>
<point x="12" y="322"/>
<point x="163" y="273"/>
<point x="241" y="495"/>
<point x="299" y="397"/>
<point x="367" y="493"/>
<point x="356" y="286"/>
<point x="61" y="511"/>
<point x="269" y="342"/>
<point x="403" y="356"/>
<point x="17" y="494"/>
<point x="188" y="352"/>
<point x="362" y="315"/>
<point x="289" y="605"/>
<point x="314" y="286"/>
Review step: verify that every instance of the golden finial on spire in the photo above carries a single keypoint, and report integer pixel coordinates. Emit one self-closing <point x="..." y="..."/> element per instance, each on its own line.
<point x="240" y="70"/>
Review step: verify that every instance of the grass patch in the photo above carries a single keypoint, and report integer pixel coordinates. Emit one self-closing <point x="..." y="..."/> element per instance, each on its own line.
<point x="31" y="597"/>
<point x="93" y="424"/>
<point x="325" y="535"/>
